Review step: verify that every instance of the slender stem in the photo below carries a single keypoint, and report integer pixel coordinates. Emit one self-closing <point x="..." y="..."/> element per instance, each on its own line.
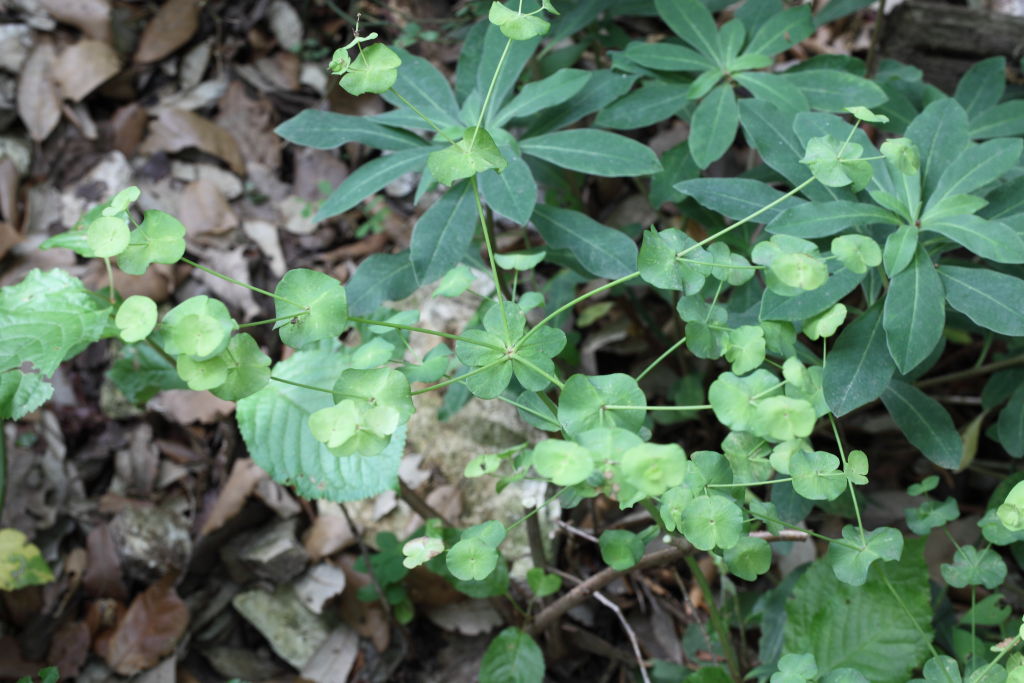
<point x="420" y="114"/>
<point x="1013" y="643"/>
<point x="166" y="356"/>
<point x="717" y="622"/>
<point x="583" y="297"/>
<point x="535" y="510"/>
<point x="453" y="380"/>
<point x="814" y="534"/>
<point x="233" y="281"/>
<point x="973" y="619"/>
<point x="303" y="386"/>
<point x="748" y="484"/>
<point x="425" y="330"/>
<point x="110" y="279"/>
<point x="616" y="407"/>
<point x="256" y="323"/>
<point x="540" y="371"/>
<point x="525" y="409"/>
<point x="846" y="468"/>
<point x="906" y="611"/>
<point x="490" y="91"/>
<point x="970" y="372"/>
<point x="490" y="252"/>
<point x="656" y="361"/>
<point x="768" y="390"/>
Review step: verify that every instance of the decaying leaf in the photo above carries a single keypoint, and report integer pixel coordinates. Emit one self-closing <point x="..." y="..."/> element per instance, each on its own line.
<point x="84" y="66"/>
<point x="242" y="481"/>
<point x="205" y="210"/>
<point x="92" y="17"/>
<point x="21" y="563"/>
<point x="38" y="96"/>
<point x="147" y="632"/>
<point x="177" y="129"/>
<point x="172" y="26"/>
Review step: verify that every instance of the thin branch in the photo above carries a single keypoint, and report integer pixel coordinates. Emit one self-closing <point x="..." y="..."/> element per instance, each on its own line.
<point x="629" y="633"/>
<point x="598" y="581"/>
<point x="420" y="506"/>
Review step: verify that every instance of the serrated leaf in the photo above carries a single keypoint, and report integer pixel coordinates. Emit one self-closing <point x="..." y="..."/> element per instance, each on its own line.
<point x="21" y="393"/>
<point x="273" y="424"/>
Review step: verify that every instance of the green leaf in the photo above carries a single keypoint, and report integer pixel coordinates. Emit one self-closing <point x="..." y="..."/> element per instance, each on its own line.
<point x="455" y="282"/>
<point x="136" y="318"/>
<point x="903" y="155"/>
<point x="471" y="559"/>
<point x="973" y="567"/>
<point x="374" y="70"/>
<point x="513" y="192"/>
<point x="160" y="238"/>
<point x="857" y="252"/>
<point x="931" y="514"/>
<point x="781" y="31"/>
<point x="421" y="550"/>
<point x="732" y="397"/>
<point x="199" y="327"/>
<point x="517" y="25"/>
<point x="475" y="153"/>
<point x="620" y="549"/>
<point x="108" y="236"/>
<point x="837" y="164"/>
<point x="21" y="393"/>
<point x="595" y="152"/>
<point x="713" y="125"/>
<point x="512" y="657"/>
<point x="834" y="90"/>
<point x="381" y="277"/>
<point x="328" y="130"/>
<point x="777" y="307"/>
<point x="443" y="233"/>
<point x="654" y="468"/>
<point x="794" y="668"/>
<point x="773" y="89"/>
<point x="781" y="418"/>
<point x="603" y="251"/>
<point x="851" y="565"/>
<point x="749" y="558"/>
<point x="582" y="400"/>
<point x="799" y="271"/>
<point x="1010" y="427"/>
<point x="140" y="372"/>
<point x="927" y="484"/>
<point x="822" y="219"/>
<point x="604" y="87"/>
<point x="987" y="297"/>
<point x="745" y="348"/>
<point x="248" y="369"/>
<point x="941" y="669"/>
<point x="563" y="463"/>
<point x="859" y="366"/>
<point x="975" y="167"/>
<point x="816" y="475"/>
<point x="982" y="86"/>
<point x="370" y="178"/>
<point x="712" y="522"/>
<point x="652" y="102"/>
<point x="899" y="250"/>
<point x="691" y="21"/>
<point x="865" y="114"/>
<point x="953" y="205"/>
<point x="273" y="423"/>
<point x="541" y="583"/>
<point x="667" y="57"/>
<point x="659" y="264"/>
<point x="1003" y="120"/>
<point x="925" y="423"/>
<point x="316" y="303"/>
<point x="737" y="198"/>
<point x="551" y="91"/>
<point x="521" y="261"/>
<point x="940" y="133"/>
<point x="202" y="375"/>
<point x="989" y="239"/>
<point x="21" y="563"/>
<point x="825" y="324"/>
<point x="427" y="89"/>
<point x="914" y="313"/>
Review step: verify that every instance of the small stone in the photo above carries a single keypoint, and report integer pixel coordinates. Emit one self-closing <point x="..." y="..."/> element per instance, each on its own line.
<point x="293" y="632"/>
<point x="151" y="541"/>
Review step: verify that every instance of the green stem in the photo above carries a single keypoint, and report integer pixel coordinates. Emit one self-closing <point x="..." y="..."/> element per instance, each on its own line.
<point x="813" y="534"/>
<point x="424" y="330"/>
<point x="660" y="358"/>
<point x="846" y="468"/>
<point x="420" y="114"/>
<point x="1013" y="643"/>
<point x="583" y="297"/>
<point x="233" y="281"/>
<point x="525" y="409"/>
<point x="906" y="611"/>
<point x="453" y="380"/>
<point x="716" y="619"/>
<point x="535" y="510"/>
<point x="490" y="91"/>
<point x="490" y="252"/>
<point x="166" y="356"/>
<point x="256" y="323"/>
<point x="748" y="484"/>
<point x="3" y="466"/>
<point x="110" y="279"/>
<point x="300" y="385"/>
<point x="540" y="371"/>
<point x="616" y="407"/>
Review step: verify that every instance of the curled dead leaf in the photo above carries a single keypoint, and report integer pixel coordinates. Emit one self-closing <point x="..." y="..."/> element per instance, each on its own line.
<point x="84" y="66"/>
<point x="177" y="129"/>
<point x="92" y="17"/>
<point x="148" y="631"/>
<point x="38" y="96"/>
<point x="172" y="26"/>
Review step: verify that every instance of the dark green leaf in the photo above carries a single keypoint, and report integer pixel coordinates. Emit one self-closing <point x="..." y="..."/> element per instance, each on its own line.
<point x="925" y="422"/>
<point x="426" y="88"/>
<point x="512" y="657"/>
<point x="1010" y="426"/>
<point x="781" y="31"/>
<point x="667" y="57"/>
<point x="833" y="90"/>
<point x="915" y="313"/>
<point x="604" y="87"/>
<point x="989" y="298"/>
<point x="596" y="152"/>
<point x="371" y="177"/>
<point x="990" y="239"/>
<point x="603" y="251"/>
<point x="982" y="86"/>
<point x="328" y="129"/>
<point x="650" y="103"/>
<point x="442" y="234"/>
<point x="821" y="219"/>
<point x="1002" y="120"/>
<point x="858" y="368"/>
<point x="808" y="304"/>
<point x="976" y="166"/>
<point x="513" y="192"/>
<point x="940" y="133"/>
<point x="737" y="198"/>
<point x="713" y="125"/>
<point x="691" y="21"/>
<point x="536" y="96"/>
<point x="775" y="89"/>
<point x="380" y="278"/>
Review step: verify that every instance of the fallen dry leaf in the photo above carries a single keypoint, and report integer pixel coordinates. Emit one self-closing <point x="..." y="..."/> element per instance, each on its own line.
<point x="38" y="96"/>
<point x="188" y="407"/>
<point x="103" y="575"/>
<point x="11" y="661"/>
<point x="177" y="129"/>
<point x="147" y="632"/>
<point x="172" y="26"/>
<point x="70" y="648"/>
<point x="92" y="17"/>
<point x="205" y="210"/>
<point x="8" y="237"/>
<point x="264" y="234"/>
<point x="85" y="66"/>
<point x="251" y="121"/>
<point x="245" y="475"/>
<point x="329" y="533"/>
<point x="334" y="659"/>
<point x="129" y="126"/>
